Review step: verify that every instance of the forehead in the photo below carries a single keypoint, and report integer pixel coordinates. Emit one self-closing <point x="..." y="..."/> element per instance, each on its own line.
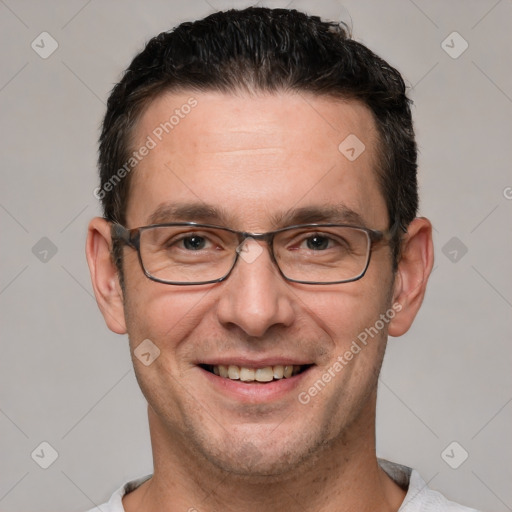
<point x="255" y="158"/>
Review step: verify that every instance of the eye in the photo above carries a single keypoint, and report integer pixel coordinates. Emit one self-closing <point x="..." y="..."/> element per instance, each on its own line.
<point x="194" y="242"/>
<point x="317" y="242"/>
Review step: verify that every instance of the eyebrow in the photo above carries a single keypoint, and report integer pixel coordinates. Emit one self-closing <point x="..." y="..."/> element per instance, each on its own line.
<point x="185" y="212"/>
<point x="335" y="214"/>
<point x="204" y="213"/>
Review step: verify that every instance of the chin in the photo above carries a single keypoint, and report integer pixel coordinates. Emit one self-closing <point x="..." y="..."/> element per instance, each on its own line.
<point x="257" y="456"/>
<point x="250" y="463"/>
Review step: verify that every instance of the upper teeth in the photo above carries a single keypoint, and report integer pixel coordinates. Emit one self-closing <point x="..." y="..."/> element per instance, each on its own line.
<point x="265" y="374"/>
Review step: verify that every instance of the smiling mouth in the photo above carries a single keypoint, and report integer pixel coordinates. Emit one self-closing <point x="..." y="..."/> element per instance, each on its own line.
<point x="264" y="374"/>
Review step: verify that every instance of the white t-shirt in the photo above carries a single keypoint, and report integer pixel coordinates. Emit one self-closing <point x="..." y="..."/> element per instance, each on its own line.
<point x="419" y="497"/>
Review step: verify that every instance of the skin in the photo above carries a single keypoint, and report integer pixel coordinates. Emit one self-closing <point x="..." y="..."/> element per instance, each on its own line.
<point x="254" y="156"/>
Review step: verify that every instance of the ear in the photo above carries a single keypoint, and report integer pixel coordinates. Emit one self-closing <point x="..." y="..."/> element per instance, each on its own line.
<point x="416" y="261"/>
<point x="104" y="276"/>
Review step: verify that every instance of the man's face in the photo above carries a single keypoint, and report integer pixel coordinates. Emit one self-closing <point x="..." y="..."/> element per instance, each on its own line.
<point x="253" y="159"/>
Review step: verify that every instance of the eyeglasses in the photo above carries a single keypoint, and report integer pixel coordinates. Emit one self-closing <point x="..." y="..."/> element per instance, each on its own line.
<point x="188" y="253"/>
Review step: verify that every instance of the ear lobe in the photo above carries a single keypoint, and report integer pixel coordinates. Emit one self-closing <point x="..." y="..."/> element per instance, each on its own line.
<point x="104" y="276"/>
<point x="414" y="267"/>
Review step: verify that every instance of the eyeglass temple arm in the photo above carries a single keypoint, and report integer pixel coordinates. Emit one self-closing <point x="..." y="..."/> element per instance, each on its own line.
<point x="119" y="232"/>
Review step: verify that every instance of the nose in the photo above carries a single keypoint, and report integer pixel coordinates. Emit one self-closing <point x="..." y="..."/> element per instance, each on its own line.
<point x="255" y="297"/>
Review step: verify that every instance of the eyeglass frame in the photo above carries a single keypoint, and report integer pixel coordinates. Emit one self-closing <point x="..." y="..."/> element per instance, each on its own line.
<point x="131" y="238"/>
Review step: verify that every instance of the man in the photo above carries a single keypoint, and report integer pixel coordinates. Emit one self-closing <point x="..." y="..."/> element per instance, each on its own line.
<point x="260" y="242"/>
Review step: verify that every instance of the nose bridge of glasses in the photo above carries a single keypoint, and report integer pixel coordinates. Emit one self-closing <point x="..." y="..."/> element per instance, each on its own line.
<point x="249" y="248"/>
<point x="258" y="237"/>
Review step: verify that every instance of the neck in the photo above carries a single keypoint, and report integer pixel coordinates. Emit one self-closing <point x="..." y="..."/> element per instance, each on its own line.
<point x="342" y="476"/>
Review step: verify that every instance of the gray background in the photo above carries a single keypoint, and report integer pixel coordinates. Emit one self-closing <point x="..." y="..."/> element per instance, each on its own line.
<point x="65" y="379"/>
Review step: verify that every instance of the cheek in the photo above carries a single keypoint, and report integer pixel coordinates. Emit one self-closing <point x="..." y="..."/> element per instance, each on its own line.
<point x="168" y="319"/>
<point x="164" y="314"/>
<point x="347" y="310"/>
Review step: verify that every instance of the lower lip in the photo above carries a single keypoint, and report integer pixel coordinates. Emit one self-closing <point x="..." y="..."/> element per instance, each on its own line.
<point x="255" y="392"/>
